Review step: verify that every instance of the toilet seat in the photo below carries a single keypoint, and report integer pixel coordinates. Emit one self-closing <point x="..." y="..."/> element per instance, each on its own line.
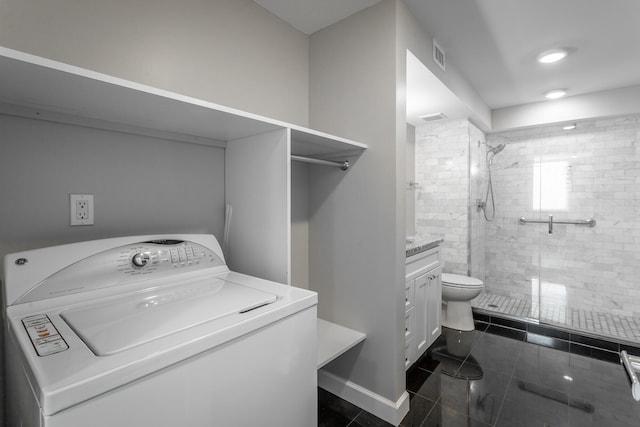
<point x="460" y="281"/>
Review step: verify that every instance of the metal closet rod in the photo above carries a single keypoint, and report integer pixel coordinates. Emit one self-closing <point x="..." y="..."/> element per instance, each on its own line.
<point x="342" y="165"/>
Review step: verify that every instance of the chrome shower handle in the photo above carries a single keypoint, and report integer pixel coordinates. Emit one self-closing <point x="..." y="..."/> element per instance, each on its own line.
<point x="550" y="224"/>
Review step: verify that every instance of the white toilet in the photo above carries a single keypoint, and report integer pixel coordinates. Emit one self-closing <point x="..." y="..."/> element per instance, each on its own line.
<point x="457" y="293"/>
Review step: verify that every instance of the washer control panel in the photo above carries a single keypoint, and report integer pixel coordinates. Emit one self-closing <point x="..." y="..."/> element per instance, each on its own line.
<point x="44" y="336"/>
<point x="164" y="255"/>
<point x="127" y="264"/>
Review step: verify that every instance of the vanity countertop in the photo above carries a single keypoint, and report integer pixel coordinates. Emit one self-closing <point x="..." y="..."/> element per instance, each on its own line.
<point x="421" y="244"/>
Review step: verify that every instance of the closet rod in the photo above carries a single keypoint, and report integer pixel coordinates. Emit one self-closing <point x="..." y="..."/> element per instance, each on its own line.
<point x="342" y="165"/>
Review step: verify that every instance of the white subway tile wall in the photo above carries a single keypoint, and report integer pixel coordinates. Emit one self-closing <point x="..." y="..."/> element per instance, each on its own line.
<point x="594" y="269"/>
<point x="442" y="200"/>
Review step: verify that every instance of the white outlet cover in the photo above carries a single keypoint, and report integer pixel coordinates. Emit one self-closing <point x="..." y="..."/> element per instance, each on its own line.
<point x="74" y="217"/>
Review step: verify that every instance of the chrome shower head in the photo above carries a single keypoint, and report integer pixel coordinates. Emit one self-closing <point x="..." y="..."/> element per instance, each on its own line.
<point x="495" y="150"/>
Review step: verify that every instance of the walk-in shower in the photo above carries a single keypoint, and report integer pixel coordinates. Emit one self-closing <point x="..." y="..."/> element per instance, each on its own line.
<point x="582" y="274"/>
<point x="577" y="277"/>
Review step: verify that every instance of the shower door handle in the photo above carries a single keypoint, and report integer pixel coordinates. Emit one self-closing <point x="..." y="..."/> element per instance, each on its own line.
<point x="550" y="224"/>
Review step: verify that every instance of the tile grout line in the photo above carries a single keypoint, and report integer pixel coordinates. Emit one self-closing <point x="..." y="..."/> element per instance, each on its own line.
<point x="503" y="399"/>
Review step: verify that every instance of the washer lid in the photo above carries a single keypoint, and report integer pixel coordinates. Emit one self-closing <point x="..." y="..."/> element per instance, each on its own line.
<point x="460" y="280"/>
<point x="119" y="324"/>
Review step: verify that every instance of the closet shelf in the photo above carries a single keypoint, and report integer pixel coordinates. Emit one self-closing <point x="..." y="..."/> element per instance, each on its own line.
<point x="37" y="87"/>
<point x="334" y="340"/>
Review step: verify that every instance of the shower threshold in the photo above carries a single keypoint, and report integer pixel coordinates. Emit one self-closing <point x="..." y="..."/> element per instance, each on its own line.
<point x="613" y="328"/>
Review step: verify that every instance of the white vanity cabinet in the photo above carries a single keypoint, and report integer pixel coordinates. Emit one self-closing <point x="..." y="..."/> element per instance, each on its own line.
<point x="423" y="286"/>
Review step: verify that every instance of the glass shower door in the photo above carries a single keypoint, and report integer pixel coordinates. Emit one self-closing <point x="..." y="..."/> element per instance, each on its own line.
<point x="564" y="180"/>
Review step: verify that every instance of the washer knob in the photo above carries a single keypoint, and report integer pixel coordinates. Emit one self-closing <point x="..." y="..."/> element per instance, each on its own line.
<point x="140" y="259"/>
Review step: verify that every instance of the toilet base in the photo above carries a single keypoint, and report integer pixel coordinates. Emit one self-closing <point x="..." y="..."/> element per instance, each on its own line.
<point x="457" y="315"/>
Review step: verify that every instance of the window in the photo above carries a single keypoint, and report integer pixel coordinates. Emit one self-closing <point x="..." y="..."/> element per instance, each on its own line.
<point x="550" y="185"/>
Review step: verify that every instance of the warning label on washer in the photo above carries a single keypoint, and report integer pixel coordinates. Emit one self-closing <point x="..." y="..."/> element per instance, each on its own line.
<point x="44" y="336"/>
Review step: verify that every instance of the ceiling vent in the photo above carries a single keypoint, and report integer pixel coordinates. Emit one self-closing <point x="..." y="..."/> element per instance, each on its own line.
<point x="438" y="55"/>
<point x="433" y="117"/>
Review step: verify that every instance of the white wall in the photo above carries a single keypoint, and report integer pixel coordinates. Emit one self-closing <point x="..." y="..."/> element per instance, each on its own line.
<point x="140" y="185"/>
<point x="231" y="52"/>
<point x="608" y="103"/>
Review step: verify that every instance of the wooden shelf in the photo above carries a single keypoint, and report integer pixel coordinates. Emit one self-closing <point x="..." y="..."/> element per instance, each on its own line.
<point x="334" y="340"/>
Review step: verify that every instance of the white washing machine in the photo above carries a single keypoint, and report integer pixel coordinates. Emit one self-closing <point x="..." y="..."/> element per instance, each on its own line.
<point x="154" y="331"/>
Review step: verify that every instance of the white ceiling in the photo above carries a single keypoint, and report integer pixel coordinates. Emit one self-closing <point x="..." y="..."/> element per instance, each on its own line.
<point x="493" y="43"/>
<point x="310" y="16"/>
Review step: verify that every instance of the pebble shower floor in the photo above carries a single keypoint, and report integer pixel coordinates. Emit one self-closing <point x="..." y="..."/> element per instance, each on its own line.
<point x="601" y="324"/>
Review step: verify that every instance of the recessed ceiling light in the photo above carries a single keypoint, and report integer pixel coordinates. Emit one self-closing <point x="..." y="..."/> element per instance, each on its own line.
<point x="551" y="56"/>
<point x="556" y="93"/>
<point x="571" y="126"/>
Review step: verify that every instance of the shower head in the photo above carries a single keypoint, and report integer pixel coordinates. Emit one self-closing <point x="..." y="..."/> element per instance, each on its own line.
<point x="495" y="150"/>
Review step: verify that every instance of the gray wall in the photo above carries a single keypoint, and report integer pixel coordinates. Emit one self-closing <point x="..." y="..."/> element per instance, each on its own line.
<point x="231" y="52"/>
<point x="141" y="185"/>
<point x="300" y="224"/>
<point x="357" y="90"/>
<point x="357" y="218"/>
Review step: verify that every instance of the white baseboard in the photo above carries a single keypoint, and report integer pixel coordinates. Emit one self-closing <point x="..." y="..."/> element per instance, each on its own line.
<point x="388" y="410"/>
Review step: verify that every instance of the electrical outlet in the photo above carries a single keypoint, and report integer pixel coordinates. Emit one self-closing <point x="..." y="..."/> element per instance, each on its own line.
<point x="81" y="209"/>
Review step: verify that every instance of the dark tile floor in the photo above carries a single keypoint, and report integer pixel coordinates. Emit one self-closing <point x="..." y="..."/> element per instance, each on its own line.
<point x="499" y="376"/>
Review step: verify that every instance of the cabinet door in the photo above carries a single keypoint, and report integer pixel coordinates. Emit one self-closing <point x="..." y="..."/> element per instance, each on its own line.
<point x="434" y="304"/>
<point x="410" y="351"/>
<point x="421" y="334"/>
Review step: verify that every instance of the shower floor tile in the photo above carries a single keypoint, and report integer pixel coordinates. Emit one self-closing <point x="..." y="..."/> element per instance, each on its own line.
<point x="595" y="323"/>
